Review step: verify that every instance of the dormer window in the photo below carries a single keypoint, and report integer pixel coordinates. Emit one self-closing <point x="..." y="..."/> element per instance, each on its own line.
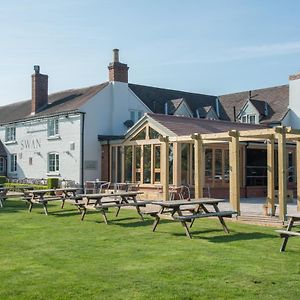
<point x="10" y="134"/>
<point x="248" y="119"/>
<point x="53" y="128"/>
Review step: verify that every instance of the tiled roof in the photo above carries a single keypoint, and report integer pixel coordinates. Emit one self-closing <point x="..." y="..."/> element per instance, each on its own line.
<point x="186" y="126"/>
<point x="155" y="98"/>
<point x="69" y="100"/>
<point x="277" y="98"/>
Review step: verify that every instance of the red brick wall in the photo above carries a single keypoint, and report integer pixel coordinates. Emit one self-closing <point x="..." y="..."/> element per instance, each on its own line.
<point x="39" y="92"/>
<point x="118" y="72"/>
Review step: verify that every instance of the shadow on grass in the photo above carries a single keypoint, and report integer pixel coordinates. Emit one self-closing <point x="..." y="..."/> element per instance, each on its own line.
<point x="136" y="223"/>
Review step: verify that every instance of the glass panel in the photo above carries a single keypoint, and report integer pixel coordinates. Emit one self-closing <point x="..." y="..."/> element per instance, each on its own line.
<point x="119" y="165"/>
<point x="140" y="136"/>
<point x="256" y="167"/>
<point x="147" y="163"/>
<point x="291" y="167"/>
<point x="157" y="177"/>
<point x="138" y="163"/>
<point x="171" y="157"/>
<point x="226" y="166"/>
<point x="128" y="163"/>
<point x="157" y="156"/>
<point x="153" y="134"/>
<point x="185" y="156"/>
<point x="218" y="166"/>
<point x="208" y="165"/>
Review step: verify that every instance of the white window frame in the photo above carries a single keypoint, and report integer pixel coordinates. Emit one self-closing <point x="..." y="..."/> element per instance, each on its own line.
<point x="10" y="134"/>
<point x="247" y="118"/>
<point x="53" y="127"/>
<point x="135" y="114"/>
<point x="13" y="163"/>
<point x="56" y="163"/>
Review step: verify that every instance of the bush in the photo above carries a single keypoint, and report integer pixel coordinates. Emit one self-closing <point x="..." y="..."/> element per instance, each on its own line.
<point x="52" y="183"/>
<point x="3" y="180"/>
<point x="16" y="186"/>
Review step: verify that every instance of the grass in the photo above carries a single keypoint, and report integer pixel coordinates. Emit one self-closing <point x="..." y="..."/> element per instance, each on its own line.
<point x="60" y="257"/>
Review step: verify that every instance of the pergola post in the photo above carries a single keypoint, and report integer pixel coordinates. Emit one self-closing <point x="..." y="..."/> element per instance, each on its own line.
<point x="199" y="166"/>
<point x="234" y="171"/>
<point x="177" y="164"/>
<point x="298" y="173"/>
<point x="165" y="166"/>
<point x="282" y="174"/>
<point x="270" y="173"/>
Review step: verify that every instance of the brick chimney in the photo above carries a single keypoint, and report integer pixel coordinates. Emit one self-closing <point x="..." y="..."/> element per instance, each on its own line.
<point x="39" y="91"/>
<point x="117" y="70"/>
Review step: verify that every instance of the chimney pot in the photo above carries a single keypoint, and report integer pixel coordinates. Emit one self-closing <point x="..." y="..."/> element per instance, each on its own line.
<point x="36" y="69"/>
<point x="116" y="55"/>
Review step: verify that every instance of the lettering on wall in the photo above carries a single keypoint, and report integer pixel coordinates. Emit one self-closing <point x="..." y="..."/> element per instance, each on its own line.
<point x="30" y="144"/>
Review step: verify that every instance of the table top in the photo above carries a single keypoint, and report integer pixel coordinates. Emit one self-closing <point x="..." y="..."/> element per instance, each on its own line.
<point x="102" y="195"/>
<point x="175" y="203"/>
<point x="41" y="191"/>
<point x="67" y="189"/>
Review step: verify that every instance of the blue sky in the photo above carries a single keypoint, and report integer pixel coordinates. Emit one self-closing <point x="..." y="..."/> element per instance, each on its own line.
<point x="213" y="47"/>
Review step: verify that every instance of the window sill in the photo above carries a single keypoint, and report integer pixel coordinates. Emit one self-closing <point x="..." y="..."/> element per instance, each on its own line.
<point x="54" y="137"/>
<point x="10" y="142"/>
<point x="53" y="174"/>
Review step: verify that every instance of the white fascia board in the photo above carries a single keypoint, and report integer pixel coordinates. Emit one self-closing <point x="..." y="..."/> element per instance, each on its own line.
<point x="147" y="109"/>
<point x="183" y="103"/>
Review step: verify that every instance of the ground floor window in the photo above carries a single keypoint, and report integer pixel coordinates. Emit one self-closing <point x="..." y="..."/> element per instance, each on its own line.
<point x="13" y="162"/>
<point x="2" y="165"/>
<point x="53" y="162"/>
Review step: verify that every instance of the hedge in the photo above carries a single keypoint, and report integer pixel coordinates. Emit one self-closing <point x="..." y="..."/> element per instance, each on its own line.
<point x="16" y="186"/>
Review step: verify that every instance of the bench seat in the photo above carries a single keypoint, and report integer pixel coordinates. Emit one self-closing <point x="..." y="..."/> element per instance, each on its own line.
<point x="285" y="233"/>
<point x="206" y="215"/>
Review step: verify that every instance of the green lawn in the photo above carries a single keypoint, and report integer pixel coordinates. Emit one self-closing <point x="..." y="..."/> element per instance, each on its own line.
<point x="60" y="257"/>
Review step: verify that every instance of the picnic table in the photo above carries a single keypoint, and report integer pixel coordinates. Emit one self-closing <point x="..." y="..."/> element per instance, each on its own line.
<point x="286" y="234"/>
<point x="3" y="192"/>
<point x="40" y="197"/>
<point x="196" y="208"/>
<point x="101" y="202"/>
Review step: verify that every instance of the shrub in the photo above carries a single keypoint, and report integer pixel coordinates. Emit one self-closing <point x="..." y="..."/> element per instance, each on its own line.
<point x="16" y="186"/>
<point x="52" y="183"/>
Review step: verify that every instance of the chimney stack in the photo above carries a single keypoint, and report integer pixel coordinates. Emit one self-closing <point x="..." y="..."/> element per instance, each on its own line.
<point x="39" y="90"/>
<point x="117" y="70"/>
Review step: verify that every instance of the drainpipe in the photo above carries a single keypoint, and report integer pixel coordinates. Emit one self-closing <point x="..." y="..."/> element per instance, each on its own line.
<point x="246" y="191"/>
<point x="82" y="150"/>
<point x="108" y="157"/>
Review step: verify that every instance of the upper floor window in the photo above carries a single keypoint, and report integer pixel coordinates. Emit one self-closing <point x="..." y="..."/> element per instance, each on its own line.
<point x="13" y="162"/>
<point x="53" y="162"/>
<point x="135" y="115"/>
<point x="53" y="127"/>
<point x="10" y="133"/>
<point x="248" y="119"/>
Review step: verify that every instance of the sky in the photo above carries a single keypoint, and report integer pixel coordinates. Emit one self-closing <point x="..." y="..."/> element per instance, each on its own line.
<point x="212" y="47"/>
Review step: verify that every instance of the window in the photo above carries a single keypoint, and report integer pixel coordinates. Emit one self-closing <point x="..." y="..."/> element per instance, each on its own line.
<point x="53" y="162"/>
<point x="13" y="162"/>
<point x="10" y="134"/>
<point x="135" y="115"/>
<point x="248" y="119"/>
<point x="53" y="127"/>
<point x="2" y="165"/>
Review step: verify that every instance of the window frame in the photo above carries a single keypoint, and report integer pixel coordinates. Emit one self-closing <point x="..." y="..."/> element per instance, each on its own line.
<point x="10" y="134"/>
<point x="2" y="164"/>
<point x="13" y="163"/>
<point x="53" y="128"/>
<point x="56" y="163"/>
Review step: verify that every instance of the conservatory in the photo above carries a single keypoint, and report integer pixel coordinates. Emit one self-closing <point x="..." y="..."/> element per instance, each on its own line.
<point x="213" y="158"/>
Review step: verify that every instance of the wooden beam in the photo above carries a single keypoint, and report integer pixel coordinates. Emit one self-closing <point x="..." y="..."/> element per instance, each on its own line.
<point x="177" y="163"/>
<point x="199" y="167"/>
<point x="298" y="173"/>
<point x="165" y="167"/>
<point x="282" y="174"/>
<point x="271" y="176"/>
<point x="216" y="136"/>
<point x="234" y="171"/>
<point x="257" y="132"/>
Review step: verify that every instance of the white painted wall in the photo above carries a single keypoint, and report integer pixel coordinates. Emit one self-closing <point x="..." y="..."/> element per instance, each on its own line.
<point x="294" y="102"/>
<point x="105" y="114"/>
<point x="35" y="135"/>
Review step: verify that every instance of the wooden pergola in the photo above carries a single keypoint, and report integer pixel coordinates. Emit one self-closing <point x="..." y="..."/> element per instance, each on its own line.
<point x="280" y="135"/>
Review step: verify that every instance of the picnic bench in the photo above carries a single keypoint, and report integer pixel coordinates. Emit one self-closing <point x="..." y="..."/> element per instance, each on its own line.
<point x="196" y="208"/>
<point x="286" y="234"/>
<point x="3" y="196"/>
<point x="103" y="201"/>
<point x="40" y="197"/>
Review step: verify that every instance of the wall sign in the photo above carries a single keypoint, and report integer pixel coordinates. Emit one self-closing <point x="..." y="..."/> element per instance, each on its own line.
<point x="30" y="143"/>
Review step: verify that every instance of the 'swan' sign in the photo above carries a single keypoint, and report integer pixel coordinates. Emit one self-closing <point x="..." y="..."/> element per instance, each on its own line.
<point x="30" y="144"/>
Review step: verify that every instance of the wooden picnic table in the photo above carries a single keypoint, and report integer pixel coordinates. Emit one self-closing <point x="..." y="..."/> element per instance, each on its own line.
<point x="101" y="202"/>
<point x="196" y="208"/>
<point x="40" y="197"/>
<point x="3" y="192"/>
<point x="286" y="234"/>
